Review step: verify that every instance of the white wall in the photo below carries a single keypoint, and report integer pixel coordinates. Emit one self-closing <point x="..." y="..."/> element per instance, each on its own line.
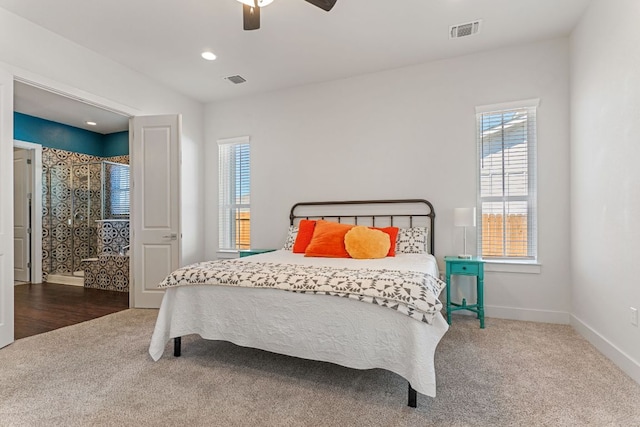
<point x="31" y="52"/>
<point x="408" y="133"/>
<point x="605" y="178"/>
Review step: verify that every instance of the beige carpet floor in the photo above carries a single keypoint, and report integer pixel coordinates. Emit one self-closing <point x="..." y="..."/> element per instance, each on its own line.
<point x="509" y="374"/>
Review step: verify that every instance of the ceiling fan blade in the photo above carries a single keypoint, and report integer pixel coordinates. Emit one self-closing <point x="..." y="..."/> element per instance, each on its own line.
<point x="250" y="17"/>
<point x="323" y="4"/>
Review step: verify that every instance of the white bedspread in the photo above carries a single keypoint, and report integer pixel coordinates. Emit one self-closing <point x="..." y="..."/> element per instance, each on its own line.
<point x="317" y="327"/>
<point x="413" y="262"/>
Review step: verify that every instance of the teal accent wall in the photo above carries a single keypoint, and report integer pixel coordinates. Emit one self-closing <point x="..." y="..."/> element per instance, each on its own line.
<point x="116" y="144"/>
<point x="56" y="135"/>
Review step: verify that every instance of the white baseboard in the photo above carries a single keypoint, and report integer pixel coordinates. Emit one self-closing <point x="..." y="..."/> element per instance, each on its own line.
<point x="62" y="279"/>
<point x="625" y="362"/>
<point x="526" y="314"/>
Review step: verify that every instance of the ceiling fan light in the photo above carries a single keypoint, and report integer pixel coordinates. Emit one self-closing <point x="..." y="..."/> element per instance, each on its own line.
<point x="260" y="3"/>
<point x="209" y="56"/>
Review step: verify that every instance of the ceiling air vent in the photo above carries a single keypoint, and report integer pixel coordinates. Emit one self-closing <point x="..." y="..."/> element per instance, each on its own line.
<point x="464" y="30"/>
<point x="236" y="79"/>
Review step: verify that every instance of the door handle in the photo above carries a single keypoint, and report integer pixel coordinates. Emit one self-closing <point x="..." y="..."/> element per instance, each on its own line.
<point x="172" y="236"/>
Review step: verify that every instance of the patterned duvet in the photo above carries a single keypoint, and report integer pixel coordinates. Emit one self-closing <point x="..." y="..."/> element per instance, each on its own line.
<point x="412" y="293"/>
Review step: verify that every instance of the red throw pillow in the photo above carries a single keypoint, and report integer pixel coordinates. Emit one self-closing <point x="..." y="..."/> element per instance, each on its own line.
<point x="305" y="233"/>
<point x="393" y="236"/>
<point x="328" y="240"/>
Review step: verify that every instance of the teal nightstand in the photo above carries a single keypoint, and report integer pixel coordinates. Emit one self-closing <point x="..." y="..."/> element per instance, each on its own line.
<point x="248" y="252"/>
<point x="466" y="267"/>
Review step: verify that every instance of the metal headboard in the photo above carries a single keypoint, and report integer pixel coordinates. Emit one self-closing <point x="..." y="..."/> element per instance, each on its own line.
<point x="423" y="209"/>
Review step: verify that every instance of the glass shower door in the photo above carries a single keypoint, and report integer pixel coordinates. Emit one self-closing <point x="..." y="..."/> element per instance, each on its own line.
<point x="75" y="203"/>
<point x="86" y="184"/>
<point x="60" y="219"/>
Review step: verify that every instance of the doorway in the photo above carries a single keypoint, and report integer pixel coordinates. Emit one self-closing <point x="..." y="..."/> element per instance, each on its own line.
<point x="27" y="212"/>
<point x="156" y="141"/>
<point x="36" y="103"/>
<point x="22" y="210"/>
<point x="62" y="130"/>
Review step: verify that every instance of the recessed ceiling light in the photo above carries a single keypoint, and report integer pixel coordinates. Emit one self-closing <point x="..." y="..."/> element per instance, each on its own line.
<point x="91" y="123"/>
<point x="209" y="56"/>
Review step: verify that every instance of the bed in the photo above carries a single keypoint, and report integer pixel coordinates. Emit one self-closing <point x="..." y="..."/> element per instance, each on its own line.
<point x="360" y="328"/>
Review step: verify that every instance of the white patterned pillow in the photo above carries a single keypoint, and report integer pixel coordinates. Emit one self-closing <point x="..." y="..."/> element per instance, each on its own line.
<point x="412" y="241"/>
<point x="291" y="238"/>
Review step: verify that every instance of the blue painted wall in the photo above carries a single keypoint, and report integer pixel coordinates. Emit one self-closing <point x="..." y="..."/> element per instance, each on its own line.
<point x="116" y="144"/>
<point x="56" y="135"/>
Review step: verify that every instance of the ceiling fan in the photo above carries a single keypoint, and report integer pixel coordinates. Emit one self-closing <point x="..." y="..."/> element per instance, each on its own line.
<point x="251" y="10"/>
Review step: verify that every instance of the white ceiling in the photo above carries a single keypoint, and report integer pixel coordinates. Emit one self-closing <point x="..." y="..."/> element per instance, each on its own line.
<point x="47" y="105"/>
<point x="297" y="43"/>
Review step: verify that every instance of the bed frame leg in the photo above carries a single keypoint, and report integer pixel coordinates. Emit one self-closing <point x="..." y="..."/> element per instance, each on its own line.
<point x="177" y="342"/>
<point x="412" y="397"/>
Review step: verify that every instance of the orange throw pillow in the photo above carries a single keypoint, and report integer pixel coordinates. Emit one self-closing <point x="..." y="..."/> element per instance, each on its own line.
<point x="366" y="243"/>
<point x="393" y="237"/>
<point x="328" y="240"/>
<point x="305" y="233"/>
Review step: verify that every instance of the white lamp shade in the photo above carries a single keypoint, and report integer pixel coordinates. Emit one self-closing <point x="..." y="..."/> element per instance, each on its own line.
<point x="464" y="217"/>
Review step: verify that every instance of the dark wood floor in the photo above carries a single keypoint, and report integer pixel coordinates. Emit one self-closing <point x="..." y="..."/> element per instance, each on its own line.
<point x="48" y="306"/>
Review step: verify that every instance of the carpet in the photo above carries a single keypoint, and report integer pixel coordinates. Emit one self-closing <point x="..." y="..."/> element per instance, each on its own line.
<point x="98" y="373"/>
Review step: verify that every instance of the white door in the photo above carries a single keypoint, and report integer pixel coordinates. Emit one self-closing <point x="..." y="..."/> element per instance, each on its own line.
<point x="6" y="213"/>
<point x="155" y="205"/>
<point x="21" y="214"/>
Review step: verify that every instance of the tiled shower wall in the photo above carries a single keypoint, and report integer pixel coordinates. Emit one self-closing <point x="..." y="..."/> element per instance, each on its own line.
<point x="113" y="236"/>
<point x="109" y="271"/>
<point x="58" y="237"/>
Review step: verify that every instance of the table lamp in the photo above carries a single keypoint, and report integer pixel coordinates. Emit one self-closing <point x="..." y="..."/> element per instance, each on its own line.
<point x="464" y="217"/>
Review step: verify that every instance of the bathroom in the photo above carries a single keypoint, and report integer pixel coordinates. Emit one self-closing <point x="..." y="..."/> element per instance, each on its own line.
<point x="88" y="222"/>
<point x="85" y="203"/>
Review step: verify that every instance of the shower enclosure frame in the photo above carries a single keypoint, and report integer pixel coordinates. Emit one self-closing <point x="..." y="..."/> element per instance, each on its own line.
<point x="79" y="226"/>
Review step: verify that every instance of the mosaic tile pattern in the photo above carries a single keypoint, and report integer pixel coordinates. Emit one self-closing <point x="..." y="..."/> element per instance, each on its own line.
<point x="68" y="237"/>
<point x="113" y="235"/>
<point x="117" y="159"/>
<point x="109" y="272"/>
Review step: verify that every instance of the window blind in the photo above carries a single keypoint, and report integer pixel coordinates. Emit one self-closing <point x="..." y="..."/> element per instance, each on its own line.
<point x="234" y="193"/>
<point x="507" y="217"/>
<point x="118" y="190"/>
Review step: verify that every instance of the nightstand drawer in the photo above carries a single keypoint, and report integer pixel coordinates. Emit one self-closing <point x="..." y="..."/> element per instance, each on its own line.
<point x="467" y="269"/>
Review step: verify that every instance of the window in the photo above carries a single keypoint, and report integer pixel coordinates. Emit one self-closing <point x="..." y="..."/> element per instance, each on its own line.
<point x="234" y="157"/>
<point x="507" y="223"/>
<point x="118" y="190"/>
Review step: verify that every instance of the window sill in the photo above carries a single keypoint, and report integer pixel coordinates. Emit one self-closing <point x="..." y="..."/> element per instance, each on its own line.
<point x="512" y="267"/>
<point x="227" y="254"/>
